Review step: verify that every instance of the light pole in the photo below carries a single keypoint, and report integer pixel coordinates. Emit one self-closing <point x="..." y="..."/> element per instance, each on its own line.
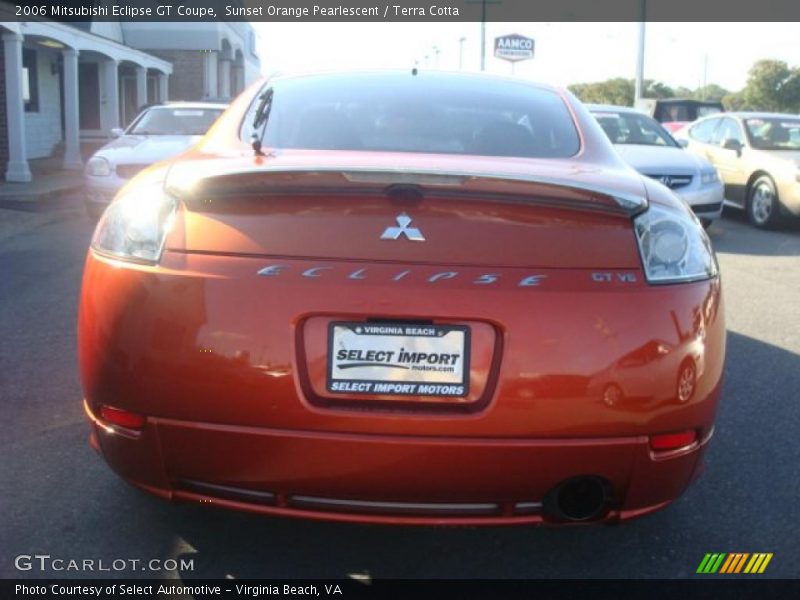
<point x="639" y="83"/>
<point x="483" y="35"/>
<point x="483" y="26"/>
<point x="436" y="57"/>
<point x="461" y="41"/>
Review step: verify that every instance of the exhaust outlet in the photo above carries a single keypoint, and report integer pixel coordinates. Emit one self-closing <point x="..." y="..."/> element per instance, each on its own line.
<point x="578" y="499"/>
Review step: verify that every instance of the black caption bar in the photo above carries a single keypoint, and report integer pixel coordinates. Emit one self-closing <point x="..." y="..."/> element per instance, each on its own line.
<point x="351" y="589"/>
<point x="402" y="10"/>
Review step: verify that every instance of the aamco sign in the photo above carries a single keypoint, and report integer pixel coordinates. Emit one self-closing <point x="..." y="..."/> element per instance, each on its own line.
<point x="513" y="47"/>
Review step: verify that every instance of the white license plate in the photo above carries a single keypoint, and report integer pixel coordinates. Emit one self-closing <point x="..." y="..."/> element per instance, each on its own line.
<point x="398" y="359"/>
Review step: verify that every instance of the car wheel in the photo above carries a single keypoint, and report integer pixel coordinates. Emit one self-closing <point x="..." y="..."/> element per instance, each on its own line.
<point x="763" y="203"/>
<point x="687" y="381"/>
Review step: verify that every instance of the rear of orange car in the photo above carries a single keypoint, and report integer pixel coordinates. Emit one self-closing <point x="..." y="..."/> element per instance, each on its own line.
<point x="419" y="299"/>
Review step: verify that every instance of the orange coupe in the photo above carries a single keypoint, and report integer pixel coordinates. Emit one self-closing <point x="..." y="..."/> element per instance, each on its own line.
<point x="403" y="297"/>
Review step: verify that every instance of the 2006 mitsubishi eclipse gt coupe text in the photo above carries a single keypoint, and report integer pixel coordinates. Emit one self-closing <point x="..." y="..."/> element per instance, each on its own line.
<point x="403" y="297"/>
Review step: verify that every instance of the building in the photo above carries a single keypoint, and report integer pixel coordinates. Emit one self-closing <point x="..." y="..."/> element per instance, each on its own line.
<point x="62" y="85"/>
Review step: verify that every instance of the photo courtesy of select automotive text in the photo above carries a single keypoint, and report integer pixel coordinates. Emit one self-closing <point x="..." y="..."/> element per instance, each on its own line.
<point x="400" y="299"/>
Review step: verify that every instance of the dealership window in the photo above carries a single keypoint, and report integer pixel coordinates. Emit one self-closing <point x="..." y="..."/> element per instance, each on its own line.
<point x="30" y="80"/>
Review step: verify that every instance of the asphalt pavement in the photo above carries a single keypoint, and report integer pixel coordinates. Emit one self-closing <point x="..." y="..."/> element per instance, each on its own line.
<point x="61" y="500"/>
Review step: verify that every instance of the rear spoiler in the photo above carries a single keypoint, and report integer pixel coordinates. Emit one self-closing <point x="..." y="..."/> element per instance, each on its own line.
<point x="184" y="181"/>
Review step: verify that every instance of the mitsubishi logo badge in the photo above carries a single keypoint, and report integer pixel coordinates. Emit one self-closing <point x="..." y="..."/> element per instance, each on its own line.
<point x="403" y="228"/>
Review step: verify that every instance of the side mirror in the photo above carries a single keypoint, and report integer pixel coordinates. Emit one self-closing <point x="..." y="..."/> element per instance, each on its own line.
<point x="683" y="143"/>
<point x="732" y="144"/>
<point x="117" y="132"/>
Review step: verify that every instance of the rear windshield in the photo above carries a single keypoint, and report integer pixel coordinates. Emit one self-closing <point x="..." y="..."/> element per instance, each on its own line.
<point x="424" y="113"/>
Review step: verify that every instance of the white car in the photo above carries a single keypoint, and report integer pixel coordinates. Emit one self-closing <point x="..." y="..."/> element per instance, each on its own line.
<point x="157" y="133"/>
<point x="651" y="150"/>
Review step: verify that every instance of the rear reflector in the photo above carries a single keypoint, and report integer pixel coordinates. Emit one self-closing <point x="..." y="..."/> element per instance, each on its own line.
<point x="122" y="418"/>
<point x="672" y="441"/>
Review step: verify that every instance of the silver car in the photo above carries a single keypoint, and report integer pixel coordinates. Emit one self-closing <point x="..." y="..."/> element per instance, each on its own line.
<point x="157" y="133"/>
<point x="651" y="150"/>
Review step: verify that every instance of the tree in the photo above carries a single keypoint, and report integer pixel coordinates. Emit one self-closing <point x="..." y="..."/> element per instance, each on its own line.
<point x="617" y="91"/>
<point x="772" y="86"/>
<point x="656" y="89"/>
<point x="711" y="92"/>
<point x="734" y="101"/>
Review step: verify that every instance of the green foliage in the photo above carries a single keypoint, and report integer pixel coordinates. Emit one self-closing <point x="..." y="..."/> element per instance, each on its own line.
<point x="617" y="91"/>
<point x="772" y="85"/>
<point x="711" y="92"/>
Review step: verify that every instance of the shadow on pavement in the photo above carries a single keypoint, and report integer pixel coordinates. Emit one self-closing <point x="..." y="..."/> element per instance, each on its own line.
<point x="732" y="234"/>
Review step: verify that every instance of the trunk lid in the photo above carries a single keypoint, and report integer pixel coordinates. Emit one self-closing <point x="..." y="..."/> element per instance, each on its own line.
<point x="460" y="211"/>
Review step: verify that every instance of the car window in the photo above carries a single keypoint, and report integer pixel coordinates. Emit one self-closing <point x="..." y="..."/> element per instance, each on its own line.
<point x="399" y="112"/>
<point x="774" y="133"/>
<point x="728" y="129"/>
<point x="633" y="128"/>
<point x="672" y="112"/>
<point x="174" y="120"/>
<point x="704" y="130"/>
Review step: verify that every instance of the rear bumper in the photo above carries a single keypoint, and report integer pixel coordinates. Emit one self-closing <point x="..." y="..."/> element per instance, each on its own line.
<point x="583" y="369"/>
<point x="390" y="479"/>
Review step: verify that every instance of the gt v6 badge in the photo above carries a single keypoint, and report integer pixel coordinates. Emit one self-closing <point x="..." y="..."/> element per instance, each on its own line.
<point x="403" y="222"/>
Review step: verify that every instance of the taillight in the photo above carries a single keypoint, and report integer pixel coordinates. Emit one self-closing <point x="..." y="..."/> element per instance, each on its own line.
<point x="673" y="441"/>
<point x="121" y="418"/>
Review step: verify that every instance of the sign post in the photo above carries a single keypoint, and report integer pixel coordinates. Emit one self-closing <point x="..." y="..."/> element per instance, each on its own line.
<point x="513" y="48"/>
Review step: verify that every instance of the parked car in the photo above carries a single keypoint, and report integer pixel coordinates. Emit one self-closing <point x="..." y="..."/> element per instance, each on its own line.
<point x="158" y="132"/>
<point x="675" y="113"/>
<point x="758" y="158"/>
<point x="382" y="296"/>
<point x="651" y="150"/>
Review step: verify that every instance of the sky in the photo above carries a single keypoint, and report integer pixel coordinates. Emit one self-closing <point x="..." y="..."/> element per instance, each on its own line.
<point x="677" y="54"/>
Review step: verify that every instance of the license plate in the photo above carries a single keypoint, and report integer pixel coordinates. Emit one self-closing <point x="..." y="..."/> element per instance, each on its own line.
<point x="398" y="359"/>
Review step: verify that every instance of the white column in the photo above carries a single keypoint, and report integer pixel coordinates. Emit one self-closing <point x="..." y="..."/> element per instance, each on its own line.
<point x="141" y="87"/>
<point x="17" y="168"/>
<point x="110" y="94"/>
<point x="224" y="78"/>
<point x="163" y="87"/>
<point x="72" y="134"/>
<point x="211" y="74"/>
<point x="238" y="80"/>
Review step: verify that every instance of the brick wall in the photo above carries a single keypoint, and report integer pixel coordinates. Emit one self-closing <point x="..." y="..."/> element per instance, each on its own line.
<point x="3" y="121"/>
<point x="186" y="81"/>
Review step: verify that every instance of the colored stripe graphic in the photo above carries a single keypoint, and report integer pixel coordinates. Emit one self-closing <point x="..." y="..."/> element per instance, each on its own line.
<point x="734" y="563"/>
<point x="711" y="563"/>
